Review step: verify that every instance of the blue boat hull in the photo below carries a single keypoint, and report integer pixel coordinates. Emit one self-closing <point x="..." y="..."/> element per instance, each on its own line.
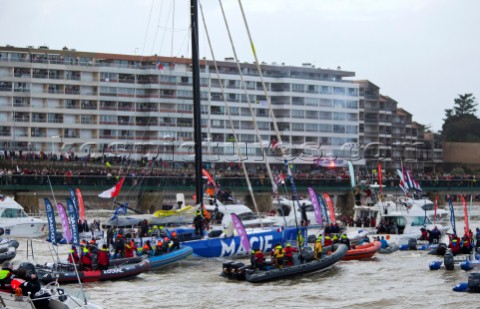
<point x="169" y="259"/>
<point x="231" y="246"/>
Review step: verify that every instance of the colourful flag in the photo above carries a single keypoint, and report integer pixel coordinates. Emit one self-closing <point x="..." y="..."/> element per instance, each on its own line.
<point x="160" y="65"/>
<point x="209" y="177"/>
<point x="73" y="221"/>
<point x="64" y="220"/>
<point x="52" y="227"/>
<point x="73" y="196"/>
<point x="316" y="206"/>
<point x="323" y="208"/>
<point x="237" y="223"/>
<point x="352" y="174"/>
<point x="402" y="183"/>
<point x="112" y="192"/>
<point x="465" y="215"/>
<point x="452" y="216"/>
<point x="330" y="207"/>
<point x="81" y="206"/>
<point x="379" y="167"/>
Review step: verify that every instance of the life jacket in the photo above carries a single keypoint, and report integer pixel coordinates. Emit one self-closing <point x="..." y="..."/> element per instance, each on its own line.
<point x="4" y="274"/>
<point x="260" y="257"/>
<point x="87" y="258"/>
<point x="278" y="253"/>
<point x="288" y="251"/>
<point x="103" y="257"/>
<point x="318" y="246"/>
<point x="129" y="249"/>
<point x="73" y="253"/>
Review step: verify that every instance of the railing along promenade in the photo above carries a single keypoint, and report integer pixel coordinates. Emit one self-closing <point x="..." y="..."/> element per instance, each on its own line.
<point x="18" y="182"/>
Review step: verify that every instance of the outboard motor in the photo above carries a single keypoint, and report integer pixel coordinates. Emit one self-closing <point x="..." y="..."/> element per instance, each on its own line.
<point x="26" y="268"/>
<point x="227" y="269"/>
<point x="449" y="261"/>
<point x="474" y="283"/>
<point x="412" y="244"/>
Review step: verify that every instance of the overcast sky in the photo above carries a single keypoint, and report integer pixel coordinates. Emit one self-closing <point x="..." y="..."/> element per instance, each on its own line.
<point x="422" y="53"/>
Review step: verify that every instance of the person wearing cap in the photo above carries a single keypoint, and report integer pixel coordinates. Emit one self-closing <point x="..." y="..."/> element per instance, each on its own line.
<point x="159" y="247"/>
<point x="119" y="247"/>
<point x="86" y="258"/>
<point x="73" y="255"/>
<point x="199" y="223"/>
<point x="317" y="249"/>
<point x="130" y="249"/>
<point x="147" y="248"/>
<point x="344" y="240"/>
<point x="166" y="244"/>
<point x="278" y="255"/>
<point x="175" y="241"/>
<point x="103" y="258"/>
<point x="288" y="251"/>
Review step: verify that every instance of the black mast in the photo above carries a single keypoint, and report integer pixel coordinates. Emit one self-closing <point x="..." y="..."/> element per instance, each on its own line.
<point x="197" y="128"/>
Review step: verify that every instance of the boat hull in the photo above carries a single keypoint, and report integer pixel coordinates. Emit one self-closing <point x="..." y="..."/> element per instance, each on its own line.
<point x="169" y="259"/>
<point x="271" y="274"/>
<point x="113" y="273"/>
<point x="361" y="252"/>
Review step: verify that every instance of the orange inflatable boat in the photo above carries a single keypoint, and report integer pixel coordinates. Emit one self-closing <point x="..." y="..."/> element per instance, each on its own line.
<point x="364" y="251"/>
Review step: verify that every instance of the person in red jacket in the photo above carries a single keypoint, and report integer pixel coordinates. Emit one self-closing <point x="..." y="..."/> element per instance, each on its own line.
<point x="86" y="259"/>
<point x="103" y="258"/>
<point x="73" y="255"/>
<point x="288" y="254"/>
<point x="328" y="241"/>
<point x="455" y="245"/>
<point x="130" y="249"/>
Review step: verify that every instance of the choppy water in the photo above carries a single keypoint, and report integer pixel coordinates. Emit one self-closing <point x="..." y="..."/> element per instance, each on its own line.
<point x="398" y="280"/>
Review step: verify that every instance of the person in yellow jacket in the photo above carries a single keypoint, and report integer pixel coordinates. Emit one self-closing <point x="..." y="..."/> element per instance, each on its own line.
<point x="318" y="248"/>
<point x="278" y="255"/>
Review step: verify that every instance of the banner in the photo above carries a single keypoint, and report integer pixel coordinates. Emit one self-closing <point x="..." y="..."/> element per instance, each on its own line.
<point x="452" y="216"/>
<point x="237" y="223"/>
<point x="81" y="206"/>
<point x="465" y="215"/>
<point x="379" y="168"/>
<point x="74" y="199"/>
<point x="316" y="206"/>
<point x="207" y="175"/>
<point x="64" y="220"/>
<point x="352" y="174"/>
<point x="73" y="220"/>
<point x="52" y="227"/>
<point x="323" y="208"/>
<point x="330" y="207"/>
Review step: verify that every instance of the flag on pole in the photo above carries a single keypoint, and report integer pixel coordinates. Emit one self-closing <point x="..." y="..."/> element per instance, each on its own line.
<point x="112" y="192"/>
<point x="379" y="167"/>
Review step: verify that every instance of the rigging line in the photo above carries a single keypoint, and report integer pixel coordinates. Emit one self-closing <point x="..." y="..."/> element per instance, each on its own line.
<point x="254" y="118"/>
<point x="239" y="153"/>
<point x="159" y="27"/>
<point x="173" y="27"/>
<point x="148" y="26"/>
<point x="272" y="115"/>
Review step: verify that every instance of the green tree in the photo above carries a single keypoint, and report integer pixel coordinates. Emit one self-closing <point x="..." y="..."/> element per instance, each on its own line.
<point x="465" y="105"/>
<point x="460" y="123"/>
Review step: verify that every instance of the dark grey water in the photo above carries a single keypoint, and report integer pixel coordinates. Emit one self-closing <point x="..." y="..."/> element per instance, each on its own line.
<point x="398" y="280"/>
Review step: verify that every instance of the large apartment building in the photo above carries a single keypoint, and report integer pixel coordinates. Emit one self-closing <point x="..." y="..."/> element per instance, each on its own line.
<point x="58" y="101"/>
<point x="389" y="135"/>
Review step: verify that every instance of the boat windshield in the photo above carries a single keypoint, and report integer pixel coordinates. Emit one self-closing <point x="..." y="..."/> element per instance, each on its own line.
<point x="428" y="206"/>
<point x="247" y="216"/>
<point x="420" y="221"/>
<point x="13" y="213"/>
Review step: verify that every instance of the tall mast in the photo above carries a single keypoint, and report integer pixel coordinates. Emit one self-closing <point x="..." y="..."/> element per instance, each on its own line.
<point x="197" y="127"/>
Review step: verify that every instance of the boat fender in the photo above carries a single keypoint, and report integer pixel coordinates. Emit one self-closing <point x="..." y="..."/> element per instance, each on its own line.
<point x="466" y="265"/>
<point x="474" y="282"/>
<point x="449" y="261"/>
<point x="403" y="247"/>
<point x="435" y="265"/>
<point x="412" y="244"/>
<point x="461" y="287"/>
<point x="422" y="247"/>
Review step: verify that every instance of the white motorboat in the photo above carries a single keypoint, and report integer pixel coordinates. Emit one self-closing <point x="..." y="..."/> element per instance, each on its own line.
<point x="400" y="223"/>
<point x="16" y="223"/>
